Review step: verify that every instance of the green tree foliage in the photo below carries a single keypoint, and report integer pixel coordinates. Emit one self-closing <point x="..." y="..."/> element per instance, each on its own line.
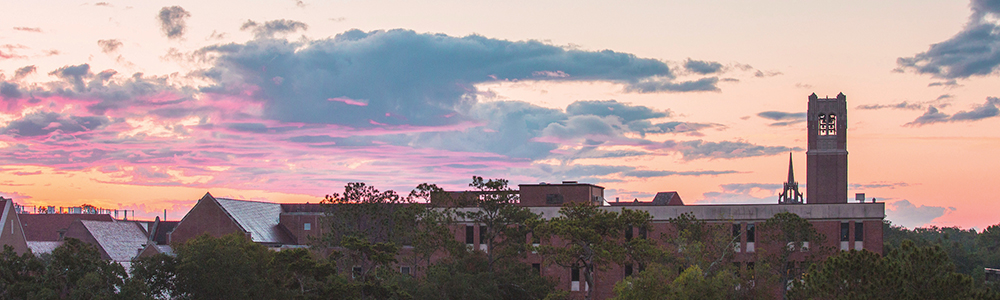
<point x="367" y="228"/>
<point x="20" y="275"/>
<point x="469" y="277"/>
<point x="907" y="272"/>
<point x="697" y="243"/>
<point x="970" y="251"/>
<point x="659" y="282"/>
<point x="504" y="224"/>
<point x="790" y="244"/>
<point x="154" y="276"/>
<point x="590" y="238"/>
<point x="77" y="271"/>
<point x="230" y="267"/>
<point x="74" y="270"/>
<point x="429" y="230"/>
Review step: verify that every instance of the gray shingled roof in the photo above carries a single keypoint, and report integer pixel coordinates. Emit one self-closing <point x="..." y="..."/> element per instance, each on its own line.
<point x="121" y="240"/>
<point x="260" y="219"/>
<point x="40" y="247"/>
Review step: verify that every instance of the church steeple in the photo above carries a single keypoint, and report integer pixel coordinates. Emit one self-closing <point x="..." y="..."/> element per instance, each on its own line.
<point x="791" y="194"/>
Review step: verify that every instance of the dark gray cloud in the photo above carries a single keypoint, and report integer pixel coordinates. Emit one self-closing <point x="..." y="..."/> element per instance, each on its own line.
<point x="653" y="85"/>
<point x="108" y="46"/>
<point x="44" y="123"/>
<point x="974" y="51"/>
<point x="106" y="91"/>
<point x="931" y="116"/>
<point x="74" y="75"/>
<point x="940" y="102"/>
<point x="702" y="67"/>
<point x="28" y="29"/>
<point x="749" y="187"/>
<point x="173" y="21"/>
<point x="105" y="4"/>
<point x="270" y="28"/>
<point x="24" y="71"/>
<point x="878" y="185"/>
<point x="657" y="173"/>
<point x="901" y="105"/>
<point x="784" y="118"/>
<point x="699" y="149"/>
<point x="947" y="83"/>
<point x="626" y="112"/>
<point x="644" y="127"/>
<point x="979" y="112"/>
<point x="10" y="90"/>
<point x="905" y="214"/>
<point x="987" y="110"/>
<point x="760" y="73"/>
<point x="397" y="77"/>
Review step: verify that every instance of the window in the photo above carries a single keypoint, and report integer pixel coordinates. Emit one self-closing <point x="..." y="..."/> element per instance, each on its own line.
<point x="642" y="232"/>
<point x="751" y="235"/>
<point x="356" y="272"/>
<point x="844" y="231"/>
<point x="628" y="233"/>
<point x="628" y="269"/>
<point x="483" y="229"/>
<point x="859" y="231"/>
<point x="537" y="268"/>
<point x="554" y="199"/>
<point x="404" y="270"/>
<point x="736" y="230"/>
<point x="307" y="226"/>
<point x="469" y="234"/>
<point x="574" y="275"/>
<point x="827" y="124"/>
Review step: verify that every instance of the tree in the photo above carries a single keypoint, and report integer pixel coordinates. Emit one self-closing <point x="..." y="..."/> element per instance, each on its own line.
<point x="19" y="274"/>
<point x="708" y="246"/>
<point x="503" y="224"/>
<point x="77" y="271"/>
<point x="230" y="267"/>
<point x="368" y="228"/>
<point x="430" y="226"/>
<point x="155" y="275"/>
<point x="660" y="282"/>
<point x="468" y="277"/>
<point x="790" y="244"/>
<point x="907" y="272"/>
<point x="590" y="238"/>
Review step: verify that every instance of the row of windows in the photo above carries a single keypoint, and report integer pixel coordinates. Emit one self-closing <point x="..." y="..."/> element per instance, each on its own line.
<point x="859" y="231"/>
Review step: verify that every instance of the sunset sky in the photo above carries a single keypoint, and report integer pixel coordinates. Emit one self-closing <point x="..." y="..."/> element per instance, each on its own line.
<point x="147" y="105"/>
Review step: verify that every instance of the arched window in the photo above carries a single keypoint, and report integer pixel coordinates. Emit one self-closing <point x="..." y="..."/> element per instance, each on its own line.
<point x="827" y="124"/>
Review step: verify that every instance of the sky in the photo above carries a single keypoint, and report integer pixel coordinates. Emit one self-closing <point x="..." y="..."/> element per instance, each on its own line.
<point x="147" y="105"/>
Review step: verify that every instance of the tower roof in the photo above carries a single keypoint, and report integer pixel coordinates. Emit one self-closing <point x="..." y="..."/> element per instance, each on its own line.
<point x="791" y="172"/>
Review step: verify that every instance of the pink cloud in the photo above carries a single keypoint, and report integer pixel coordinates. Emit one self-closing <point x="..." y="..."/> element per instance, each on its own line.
<point x="350" y="101"/>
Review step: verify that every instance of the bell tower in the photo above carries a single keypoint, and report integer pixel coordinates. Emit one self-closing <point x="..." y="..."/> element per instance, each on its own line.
<point x="826" y="159"/>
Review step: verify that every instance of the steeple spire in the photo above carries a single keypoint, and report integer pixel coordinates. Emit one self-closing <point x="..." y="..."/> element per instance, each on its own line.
<point x="791" y="194"/>
<point x="791" y="172"/>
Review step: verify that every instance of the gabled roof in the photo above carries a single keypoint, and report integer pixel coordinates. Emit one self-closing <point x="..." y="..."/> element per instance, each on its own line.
<point x="260" y="219"/>
<point x="667" y="198"/>
<point x="120" y="240"/>
<point x="40" y="247"/>
<point x="160" y="231"/>
<point x="46" y="227"/>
